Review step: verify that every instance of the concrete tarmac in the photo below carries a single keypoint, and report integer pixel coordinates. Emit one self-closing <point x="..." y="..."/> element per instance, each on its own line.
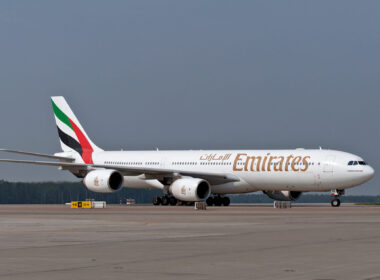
<point x="146" y="242"/>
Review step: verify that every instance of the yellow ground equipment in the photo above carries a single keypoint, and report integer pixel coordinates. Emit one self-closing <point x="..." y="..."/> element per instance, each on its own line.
<point x="81" y="204"/>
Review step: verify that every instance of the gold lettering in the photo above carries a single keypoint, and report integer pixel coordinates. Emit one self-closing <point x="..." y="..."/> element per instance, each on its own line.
<point x="287" y="162"/>
<point x="235" y="168"/>
<point x="252" y="160"/>
<point x="246" y="163"/>
<point x="264" y="162"/>
<point x="257" y="164"/>
<point x="270" y="162"/>
<point x="215" y="157"/>
<point x="278" y="165"/>
<point x="296" y="160"/>
<point x="306" y="163"/>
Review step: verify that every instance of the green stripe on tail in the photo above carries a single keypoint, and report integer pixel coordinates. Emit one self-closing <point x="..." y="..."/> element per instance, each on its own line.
<point x="60" y="115"/>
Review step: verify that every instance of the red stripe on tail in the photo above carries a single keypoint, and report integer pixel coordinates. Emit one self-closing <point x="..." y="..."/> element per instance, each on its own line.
<point x="86" y="146"/>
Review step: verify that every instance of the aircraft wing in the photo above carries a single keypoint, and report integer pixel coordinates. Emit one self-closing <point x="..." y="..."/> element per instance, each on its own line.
<point x="150" y="173"/>
<point x="68" y="159"/>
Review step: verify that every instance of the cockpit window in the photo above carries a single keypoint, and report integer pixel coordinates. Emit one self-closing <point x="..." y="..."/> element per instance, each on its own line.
<point x="354" y="162"/>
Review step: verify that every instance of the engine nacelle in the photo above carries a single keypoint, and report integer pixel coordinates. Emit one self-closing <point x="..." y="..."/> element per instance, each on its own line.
<point x="283" y="195"/>
<point x="190" y="189"/>
<point x="104" y="181"/>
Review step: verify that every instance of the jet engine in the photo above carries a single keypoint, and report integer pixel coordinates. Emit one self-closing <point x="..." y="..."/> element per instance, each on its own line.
<point x="190" y="189"/>
<point x="104" y="181"/>
<point x="283" y="195"/>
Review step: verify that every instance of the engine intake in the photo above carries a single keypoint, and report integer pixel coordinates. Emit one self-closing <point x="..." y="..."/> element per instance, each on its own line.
<point x="104" y="181"/>
<point x="190" y="189"/>
<point x="283" y="195"/>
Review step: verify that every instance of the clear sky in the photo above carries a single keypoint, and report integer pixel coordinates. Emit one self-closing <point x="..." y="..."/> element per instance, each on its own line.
<point x="191" y="75"/>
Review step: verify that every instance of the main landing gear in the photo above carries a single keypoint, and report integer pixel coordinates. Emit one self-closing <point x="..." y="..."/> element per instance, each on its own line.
<point x="165" y="200"/>
<point x="169" y="200"/>
<point x="336" y="194"/>
<point x="218" y="200"/>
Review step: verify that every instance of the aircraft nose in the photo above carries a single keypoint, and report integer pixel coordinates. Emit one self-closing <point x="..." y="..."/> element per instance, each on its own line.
<point x="370" y="173"/>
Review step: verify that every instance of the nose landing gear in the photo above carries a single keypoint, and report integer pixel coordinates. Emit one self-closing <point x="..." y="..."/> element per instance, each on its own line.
<point x="336" y="194"/>
<point x="335" y="202"/>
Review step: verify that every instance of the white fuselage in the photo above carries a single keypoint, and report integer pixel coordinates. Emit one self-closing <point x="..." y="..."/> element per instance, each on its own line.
<point x="258" y="170"/>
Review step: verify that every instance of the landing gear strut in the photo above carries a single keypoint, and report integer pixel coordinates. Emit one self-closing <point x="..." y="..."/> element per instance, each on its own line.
<point x="218" y="201"/>
<point x="336" y="194"/>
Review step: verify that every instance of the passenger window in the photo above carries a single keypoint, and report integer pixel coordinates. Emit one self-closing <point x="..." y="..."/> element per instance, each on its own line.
<point x="355" y="163"/>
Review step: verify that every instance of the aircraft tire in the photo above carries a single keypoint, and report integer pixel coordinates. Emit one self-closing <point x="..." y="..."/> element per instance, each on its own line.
<point x="210" y="201"/>
<point x="226" y="201"/>
<point x="156" y="200"/>
<point x="173" y="201"/>
<point x="218" y="201"/>
<point x="335" y="202"/>
<point x="165" y="200"/>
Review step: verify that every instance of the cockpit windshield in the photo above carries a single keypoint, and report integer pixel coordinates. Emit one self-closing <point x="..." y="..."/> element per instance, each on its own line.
<point x="354" y="162"/>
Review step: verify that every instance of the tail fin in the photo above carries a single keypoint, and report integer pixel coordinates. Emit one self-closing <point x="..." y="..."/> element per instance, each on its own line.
<point x="71" y="133"/>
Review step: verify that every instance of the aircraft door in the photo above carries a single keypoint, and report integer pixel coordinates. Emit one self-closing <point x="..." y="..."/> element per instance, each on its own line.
<point x="163" y="162"/>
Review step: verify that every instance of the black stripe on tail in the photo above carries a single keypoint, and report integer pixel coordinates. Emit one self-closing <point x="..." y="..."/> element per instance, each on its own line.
<point x="70" y="141"/>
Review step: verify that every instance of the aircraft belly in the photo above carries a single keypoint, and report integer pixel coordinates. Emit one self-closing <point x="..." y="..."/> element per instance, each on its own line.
<point x="137" y="182"/>
<point x="297" y="181"/>
<point x="233" y="188"/>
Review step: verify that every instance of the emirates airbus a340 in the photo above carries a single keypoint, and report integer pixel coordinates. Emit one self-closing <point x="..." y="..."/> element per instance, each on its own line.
<point x="190" y="176"/>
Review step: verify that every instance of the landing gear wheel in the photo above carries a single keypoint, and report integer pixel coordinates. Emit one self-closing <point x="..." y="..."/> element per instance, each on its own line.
<point x="156" y="200"/>
<point x="165" y="200"/>
<point x="210" y="201"/>
<point x="173" y="201"/>
<point x="335" y="202"/>
<point x="226" y="201"/>
<point x="218" y="201"/>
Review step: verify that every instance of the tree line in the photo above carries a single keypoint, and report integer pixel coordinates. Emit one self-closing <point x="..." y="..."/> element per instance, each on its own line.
<point x="63" y="192"/>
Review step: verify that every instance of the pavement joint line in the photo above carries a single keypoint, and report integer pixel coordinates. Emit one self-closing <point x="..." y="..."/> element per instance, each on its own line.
<point x="34" y="231"/>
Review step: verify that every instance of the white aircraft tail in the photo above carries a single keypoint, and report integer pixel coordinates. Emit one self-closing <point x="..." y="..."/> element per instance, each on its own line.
<point x="71" y="133"/>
